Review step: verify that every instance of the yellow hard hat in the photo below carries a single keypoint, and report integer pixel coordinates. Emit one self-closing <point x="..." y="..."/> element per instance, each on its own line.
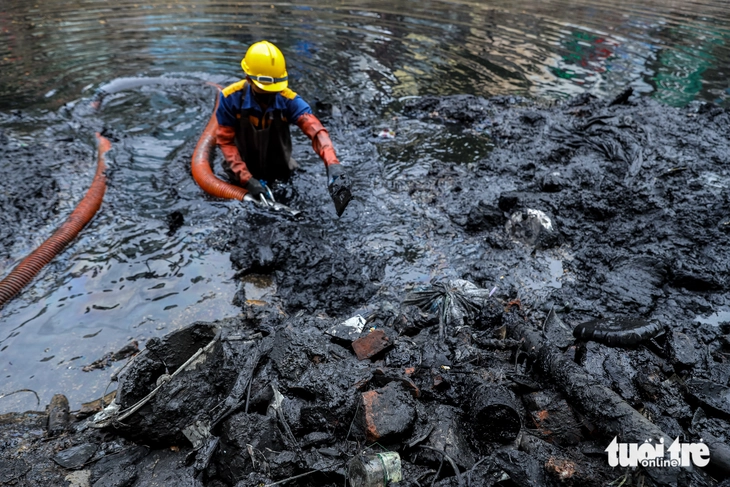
<point x="264" y="64"/>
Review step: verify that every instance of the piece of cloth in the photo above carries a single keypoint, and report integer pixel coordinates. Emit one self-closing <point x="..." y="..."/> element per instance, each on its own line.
<point x="257" y="142"/>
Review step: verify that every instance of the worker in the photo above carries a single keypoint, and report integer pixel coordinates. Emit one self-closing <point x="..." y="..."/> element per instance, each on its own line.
<point x="254" y="116"/>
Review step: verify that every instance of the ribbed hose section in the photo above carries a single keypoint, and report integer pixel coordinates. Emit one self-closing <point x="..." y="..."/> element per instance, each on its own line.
<point x="202" y="171"/>
<point x="84" y="212"/>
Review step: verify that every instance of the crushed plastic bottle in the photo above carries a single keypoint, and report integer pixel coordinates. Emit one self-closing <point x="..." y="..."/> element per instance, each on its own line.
<point x="374" y="470"/>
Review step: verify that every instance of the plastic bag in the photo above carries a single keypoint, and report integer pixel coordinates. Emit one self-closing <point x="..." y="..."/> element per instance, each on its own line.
<point x="454" y="300"/>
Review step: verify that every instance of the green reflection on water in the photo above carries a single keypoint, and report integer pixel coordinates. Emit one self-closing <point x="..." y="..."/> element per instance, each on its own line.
<point x="680" y="69"/>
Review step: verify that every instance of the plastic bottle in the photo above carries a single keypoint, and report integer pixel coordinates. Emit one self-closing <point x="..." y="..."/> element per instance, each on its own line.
<point x="374" y="470"/>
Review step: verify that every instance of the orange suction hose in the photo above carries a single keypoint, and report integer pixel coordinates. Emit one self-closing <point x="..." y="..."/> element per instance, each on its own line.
<point x="202" y="171"/>
<point x="85" y="211"/>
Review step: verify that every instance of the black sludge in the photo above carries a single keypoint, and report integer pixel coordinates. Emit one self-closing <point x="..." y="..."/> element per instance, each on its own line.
<point x="577" y="212"/>
<point x="616" y="332"/>
<point x="311" y="270"/>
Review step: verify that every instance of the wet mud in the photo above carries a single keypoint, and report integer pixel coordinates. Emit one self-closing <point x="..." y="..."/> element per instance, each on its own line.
<point x="474" y="378"/>
<point x="32" y="198"/>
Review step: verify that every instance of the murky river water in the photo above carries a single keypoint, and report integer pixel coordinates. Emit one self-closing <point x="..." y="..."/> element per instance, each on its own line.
<point x="131" y="275"/>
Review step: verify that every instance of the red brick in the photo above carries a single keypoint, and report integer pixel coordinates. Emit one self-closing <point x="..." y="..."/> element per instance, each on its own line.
<point x="373" y="343"/>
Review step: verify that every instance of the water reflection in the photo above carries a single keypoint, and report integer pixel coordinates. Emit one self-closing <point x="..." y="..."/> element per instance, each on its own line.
<point x="397" y="48"/>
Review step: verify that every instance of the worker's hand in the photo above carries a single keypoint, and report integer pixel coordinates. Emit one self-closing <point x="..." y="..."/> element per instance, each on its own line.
<point x="338" y="184"/>
<point x="335" y="172"/>
<point x="254" y="188"/>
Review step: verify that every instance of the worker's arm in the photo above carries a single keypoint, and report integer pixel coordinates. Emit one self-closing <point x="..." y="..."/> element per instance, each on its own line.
<point x="338" y="183"/>
<point x="298" y="111"/>
<point x="226" y="139"/>
<point x="321" y="142"/>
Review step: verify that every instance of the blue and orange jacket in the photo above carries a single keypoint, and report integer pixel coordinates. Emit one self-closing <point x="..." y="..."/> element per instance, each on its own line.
<point x="236" y="101"/>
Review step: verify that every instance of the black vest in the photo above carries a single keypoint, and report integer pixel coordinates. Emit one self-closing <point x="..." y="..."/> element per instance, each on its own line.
<point x="265" y="144"/>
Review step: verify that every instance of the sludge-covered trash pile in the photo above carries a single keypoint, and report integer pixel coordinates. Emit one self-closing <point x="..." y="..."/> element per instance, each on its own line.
<point x="469" y="380"/>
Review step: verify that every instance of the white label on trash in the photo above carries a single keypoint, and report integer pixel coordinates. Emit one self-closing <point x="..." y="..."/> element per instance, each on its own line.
<point x="357" y="323"/>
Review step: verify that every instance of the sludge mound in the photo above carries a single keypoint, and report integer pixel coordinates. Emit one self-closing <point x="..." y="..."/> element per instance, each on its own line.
<point x="310" y="272"/>
<point x="470" y="386"/>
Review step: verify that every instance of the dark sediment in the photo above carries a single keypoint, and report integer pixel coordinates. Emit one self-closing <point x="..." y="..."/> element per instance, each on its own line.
<point x="633" y="194"/>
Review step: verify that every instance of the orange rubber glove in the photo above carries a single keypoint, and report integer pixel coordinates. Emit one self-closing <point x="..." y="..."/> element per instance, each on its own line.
<point x="225" y="137"/>
<point x="321" y="142"/>
<point x="338" y="183"/>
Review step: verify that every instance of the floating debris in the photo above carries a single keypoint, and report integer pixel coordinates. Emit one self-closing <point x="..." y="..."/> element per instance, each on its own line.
<point x="386" y="134"/>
